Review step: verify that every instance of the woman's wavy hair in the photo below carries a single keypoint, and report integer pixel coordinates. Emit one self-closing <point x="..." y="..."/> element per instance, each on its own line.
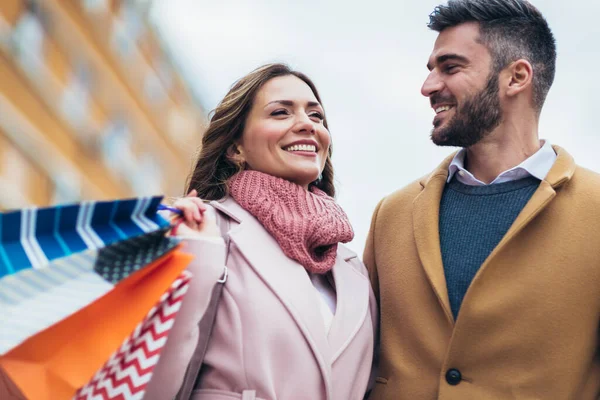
<point x="213" y="167"/>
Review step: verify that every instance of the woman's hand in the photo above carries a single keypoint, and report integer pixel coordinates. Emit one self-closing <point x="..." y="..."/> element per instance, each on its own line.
<point x="198" y="219"/>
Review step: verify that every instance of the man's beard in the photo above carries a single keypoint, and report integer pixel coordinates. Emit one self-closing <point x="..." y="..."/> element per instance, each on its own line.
<point x="474" y="120"/>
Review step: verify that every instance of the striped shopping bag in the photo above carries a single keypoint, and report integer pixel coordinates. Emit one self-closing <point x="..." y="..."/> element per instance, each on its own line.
<point x="56" y="362"/>
<point x="32" y="300"/>
<point x="75" y="282"/>
<point x="126" y="374"/>
<point x="30" y="238"/>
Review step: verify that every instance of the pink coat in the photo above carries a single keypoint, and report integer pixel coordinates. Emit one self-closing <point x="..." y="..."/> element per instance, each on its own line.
<point x="269" y="341"/>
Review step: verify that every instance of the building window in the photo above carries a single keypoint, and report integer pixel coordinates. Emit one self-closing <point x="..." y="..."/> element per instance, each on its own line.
<point x="28" y="39"/>
<point x="67" y="188"/>
<point x="154" y="90"/>
<point x="75" y="102"/>
<point x="95" y="6"/>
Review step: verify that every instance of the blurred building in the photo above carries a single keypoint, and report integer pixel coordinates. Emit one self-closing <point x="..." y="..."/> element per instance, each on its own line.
<point x="91" y="106"/>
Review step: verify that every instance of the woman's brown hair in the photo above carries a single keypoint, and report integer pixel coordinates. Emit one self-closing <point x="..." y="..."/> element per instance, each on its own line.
<point x="213" y="167"/>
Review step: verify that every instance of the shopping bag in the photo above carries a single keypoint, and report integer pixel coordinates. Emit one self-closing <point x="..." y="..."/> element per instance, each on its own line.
<point x="127" y="373"/>
<point x="8" y="389"/>
<point x="31" y="300"/>
<point x="55" y="363"/>
<point x="75" y="281"/>
<point x="31" y="238"/>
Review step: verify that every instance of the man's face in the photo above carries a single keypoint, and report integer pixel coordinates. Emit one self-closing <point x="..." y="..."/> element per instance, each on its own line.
<point x="462" y="88"/>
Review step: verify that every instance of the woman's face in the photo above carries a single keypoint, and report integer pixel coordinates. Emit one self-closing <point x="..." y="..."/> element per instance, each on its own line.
<point x="284" y="135"/>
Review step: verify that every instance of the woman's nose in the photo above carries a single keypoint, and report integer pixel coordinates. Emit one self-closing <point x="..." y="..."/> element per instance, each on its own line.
<point x="305" y="125"/>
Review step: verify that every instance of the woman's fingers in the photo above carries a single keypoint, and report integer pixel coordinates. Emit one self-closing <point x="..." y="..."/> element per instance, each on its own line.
<point x="196" y="220"/>
<point x="190" y="209"/>
<point x="193" y="196"/>
<point x="200" y="207"/>
<point x="191" y="213"/>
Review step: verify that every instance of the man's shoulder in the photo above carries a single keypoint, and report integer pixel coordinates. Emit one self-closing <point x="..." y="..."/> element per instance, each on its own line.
<point x="586" y="181"/>
<point x="588" y="176"/>
<point x="406" y="193"/>
<point x="399" y="201"/>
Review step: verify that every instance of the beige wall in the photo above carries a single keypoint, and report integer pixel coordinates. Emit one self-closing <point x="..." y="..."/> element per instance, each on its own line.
<point x="90" y="105"/>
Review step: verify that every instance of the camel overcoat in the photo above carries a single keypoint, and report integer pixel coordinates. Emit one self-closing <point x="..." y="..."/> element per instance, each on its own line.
<point x="529" y="322"/>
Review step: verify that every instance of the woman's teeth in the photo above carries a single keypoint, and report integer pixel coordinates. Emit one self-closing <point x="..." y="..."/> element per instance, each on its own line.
<point x="302" y="147"/>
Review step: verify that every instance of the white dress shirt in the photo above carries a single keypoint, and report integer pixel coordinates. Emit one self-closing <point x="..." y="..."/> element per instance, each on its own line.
<point x="538" y="165"/>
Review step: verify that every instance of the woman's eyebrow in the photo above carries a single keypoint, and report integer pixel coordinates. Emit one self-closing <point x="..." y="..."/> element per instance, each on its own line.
<point x="290" y="103"/>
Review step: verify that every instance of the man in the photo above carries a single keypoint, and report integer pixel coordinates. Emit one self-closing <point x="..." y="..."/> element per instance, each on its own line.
<point x="487" y="270"/>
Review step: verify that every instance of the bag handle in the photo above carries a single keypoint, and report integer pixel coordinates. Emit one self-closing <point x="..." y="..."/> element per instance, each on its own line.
<point x="205" y="326"/>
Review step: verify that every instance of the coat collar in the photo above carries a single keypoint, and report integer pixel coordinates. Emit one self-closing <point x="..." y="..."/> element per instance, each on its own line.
<point x="426" y="219"/>
<point x="561" y="172"/>
<point x="537" y="165"/>
<point x="289" y="281"/>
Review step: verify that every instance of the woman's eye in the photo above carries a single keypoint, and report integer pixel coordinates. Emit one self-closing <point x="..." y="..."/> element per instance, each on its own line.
<point x="279" y="112"/>
<point x="317" y="115"/>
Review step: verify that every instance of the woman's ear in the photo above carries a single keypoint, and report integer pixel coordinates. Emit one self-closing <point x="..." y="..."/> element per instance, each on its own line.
<point x="235" y="153"/>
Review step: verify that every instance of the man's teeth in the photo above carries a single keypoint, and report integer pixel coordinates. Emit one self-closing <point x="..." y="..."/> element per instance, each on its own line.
<point x="302" y="147"/>
<point x="442" y="108"/>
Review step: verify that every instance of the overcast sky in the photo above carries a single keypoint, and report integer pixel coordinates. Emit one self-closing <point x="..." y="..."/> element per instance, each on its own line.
<point x="368" y="61"/>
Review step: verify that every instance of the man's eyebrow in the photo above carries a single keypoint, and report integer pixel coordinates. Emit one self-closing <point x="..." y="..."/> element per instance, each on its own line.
<point x="290" y="103"/>
<point x="446" y="57"/>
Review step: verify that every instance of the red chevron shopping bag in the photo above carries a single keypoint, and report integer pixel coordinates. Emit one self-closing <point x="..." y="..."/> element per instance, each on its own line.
<point x="127" y="373"/>
<point x="55" y="363"/>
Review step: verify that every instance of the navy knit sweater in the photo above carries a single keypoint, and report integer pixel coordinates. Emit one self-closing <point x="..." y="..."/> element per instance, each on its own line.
<point x="473" y="220"/>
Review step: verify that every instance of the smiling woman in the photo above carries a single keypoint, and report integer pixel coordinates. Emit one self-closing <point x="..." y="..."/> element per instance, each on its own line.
<point x="271" y="108"/>
<point x="285" y="134"/>
<point x="297" y="316"/>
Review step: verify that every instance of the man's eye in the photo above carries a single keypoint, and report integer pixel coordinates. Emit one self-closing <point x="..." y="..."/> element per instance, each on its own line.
<point x="450" y="68"/>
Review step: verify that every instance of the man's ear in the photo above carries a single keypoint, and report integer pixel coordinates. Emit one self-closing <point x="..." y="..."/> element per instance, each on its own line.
<point x="520" y="77"/>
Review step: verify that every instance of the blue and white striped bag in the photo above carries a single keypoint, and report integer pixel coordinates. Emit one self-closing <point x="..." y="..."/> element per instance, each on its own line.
<point x="55" y="261"/>
<point x="31" y="238"/>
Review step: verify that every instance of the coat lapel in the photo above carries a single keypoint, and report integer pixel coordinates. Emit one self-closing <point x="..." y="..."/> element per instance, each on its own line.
<point x="426" y="219"/>
<point x="352" y="304"/>
<point x="286" y="278"/>
<point x="426" y="213"/>
<point x="561" y="172"/>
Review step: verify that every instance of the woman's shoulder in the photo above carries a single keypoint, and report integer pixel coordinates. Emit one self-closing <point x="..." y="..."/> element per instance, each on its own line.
<point x="225" y="211"/>
<point x="227" y="208"/>
<point x="348" y="255"/>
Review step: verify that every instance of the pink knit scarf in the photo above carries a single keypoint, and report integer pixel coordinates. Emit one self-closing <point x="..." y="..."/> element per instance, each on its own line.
<point x="307" y="225"/>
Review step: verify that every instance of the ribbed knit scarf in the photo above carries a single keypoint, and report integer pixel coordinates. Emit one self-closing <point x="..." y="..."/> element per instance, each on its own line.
<point x="308" y="225"/>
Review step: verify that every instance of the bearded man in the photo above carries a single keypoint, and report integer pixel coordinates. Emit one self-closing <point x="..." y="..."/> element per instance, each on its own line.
<point x="487" y="270"/>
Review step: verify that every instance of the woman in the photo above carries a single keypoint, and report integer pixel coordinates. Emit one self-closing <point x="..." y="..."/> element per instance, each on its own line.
<point x="297" y="316"/>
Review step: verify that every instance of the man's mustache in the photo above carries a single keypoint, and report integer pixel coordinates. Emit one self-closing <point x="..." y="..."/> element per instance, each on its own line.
<point x="438" y="99"/>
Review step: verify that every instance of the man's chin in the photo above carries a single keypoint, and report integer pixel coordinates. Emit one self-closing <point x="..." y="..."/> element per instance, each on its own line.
<point x="440" y="138"/>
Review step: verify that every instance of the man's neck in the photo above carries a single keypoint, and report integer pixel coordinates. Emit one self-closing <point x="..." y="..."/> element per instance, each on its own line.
<point x="500" y="151"/>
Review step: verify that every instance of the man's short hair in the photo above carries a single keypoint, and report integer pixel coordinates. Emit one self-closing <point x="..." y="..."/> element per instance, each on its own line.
<point x="511" y="30"/>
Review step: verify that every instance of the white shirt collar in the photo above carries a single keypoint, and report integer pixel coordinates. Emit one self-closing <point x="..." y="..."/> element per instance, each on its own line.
<point x="538" y="165"/>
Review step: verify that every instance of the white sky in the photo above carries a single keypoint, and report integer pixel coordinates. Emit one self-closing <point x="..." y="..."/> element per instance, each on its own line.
<point x="368" y="61"/>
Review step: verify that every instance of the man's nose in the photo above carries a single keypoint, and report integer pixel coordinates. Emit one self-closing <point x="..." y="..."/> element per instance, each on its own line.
<point x="431" y="85"/>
